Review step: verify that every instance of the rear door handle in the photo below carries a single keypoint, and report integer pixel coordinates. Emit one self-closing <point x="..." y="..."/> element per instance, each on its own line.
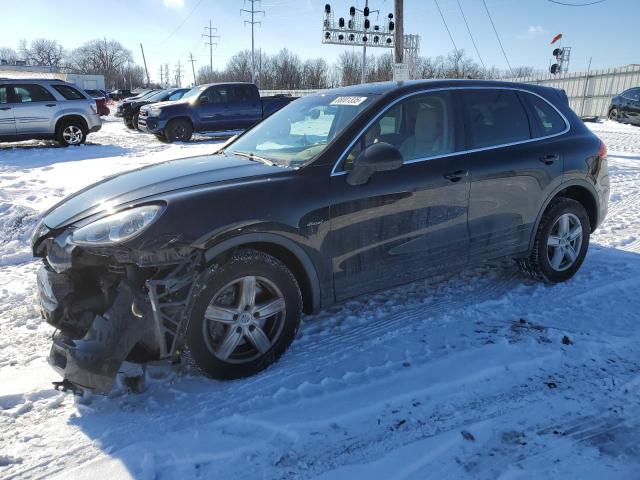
<point x="5" y="108"/>
<point x="456" y="176"/>
<point x="549" y="159"/>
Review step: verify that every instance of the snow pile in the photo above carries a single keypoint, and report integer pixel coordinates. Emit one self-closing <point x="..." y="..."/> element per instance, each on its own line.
<point x="483" y="374"/>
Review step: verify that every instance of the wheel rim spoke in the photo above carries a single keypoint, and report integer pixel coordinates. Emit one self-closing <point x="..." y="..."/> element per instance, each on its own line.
<point x="270" y="308"/>
<point x="225" y="315"/>
<point x="230" y="342"/>
<point x="575" y="233"/>
<point x="563" y="225"/>
<point x="570" y="253"/>
<point x="258" y="338"/>
<point x="558" y="255"/>
<point x="247" y="292"/>
<point x="554" y="241"/>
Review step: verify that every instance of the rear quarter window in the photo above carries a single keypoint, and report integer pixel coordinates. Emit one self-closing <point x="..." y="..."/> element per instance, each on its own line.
<point x="69" y="92"/>
<point x="547" y="119"/>
<point x="495" y="117"/>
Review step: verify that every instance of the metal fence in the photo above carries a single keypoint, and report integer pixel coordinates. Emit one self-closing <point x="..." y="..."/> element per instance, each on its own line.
<point x="589" y="92"/>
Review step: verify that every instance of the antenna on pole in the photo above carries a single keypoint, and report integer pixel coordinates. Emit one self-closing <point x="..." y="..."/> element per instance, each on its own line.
<point x="193" y="69"/>
<point x="210" y="35"/>
<point x="253" y="23"/>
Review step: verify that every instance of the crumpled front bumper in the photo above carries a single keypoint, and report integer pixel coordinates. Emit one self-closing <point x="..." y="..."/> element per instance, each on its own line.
<point x="93" y="360"/>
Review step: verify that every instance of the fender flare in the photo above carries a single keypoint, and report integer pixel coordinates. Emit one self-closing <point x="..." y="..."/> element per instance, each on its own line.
<point x="290" y="245"/>
<point x="554" y="193"/>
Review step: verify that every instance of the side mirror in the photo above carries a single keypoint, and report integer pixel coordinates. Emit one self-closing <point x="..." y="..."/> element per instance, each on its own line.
<point x="379" y="157"/>
<point x="204" y="100"/>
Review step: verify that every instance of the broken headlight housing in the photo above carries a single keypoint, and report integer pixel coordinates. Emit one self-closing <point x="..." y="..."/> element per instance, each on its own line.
<point x="118" y="227"/>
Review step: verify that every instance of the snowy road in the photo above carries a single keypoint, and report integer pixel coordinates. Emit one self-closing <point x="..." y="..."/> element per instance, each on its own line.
<point x="480" y="375"/>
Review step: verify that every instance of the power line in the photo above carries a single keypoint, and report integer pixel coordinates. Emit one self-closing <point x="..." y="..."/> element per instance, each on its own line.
<point x="470" y="34"/>
<point x="446" y="26"/>
<point x="253" y="23"/>
<point x="576" y="4"/>
<point x="182" y="23"/>
<point x="497" y="36"/>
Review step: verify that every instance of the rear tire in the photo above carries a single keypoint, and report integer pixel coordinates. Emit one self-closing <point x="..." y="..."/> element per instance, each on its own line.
<point x="613" y="114"/>
<point x="71" y="132"/>
<point x="560" y="244"/>
<point x="244" y="318"/>
<point x="178" y="130"/>
<point x="129" y="124"/>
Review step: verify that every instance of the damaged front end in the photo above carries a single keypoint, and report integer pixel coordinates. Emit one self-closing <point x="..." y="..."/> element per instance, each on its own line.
<point x="111" y="304"/>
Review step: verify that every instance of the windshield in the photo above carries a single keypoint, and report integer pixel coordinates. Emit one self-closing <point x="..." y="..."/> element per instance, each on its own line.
<point x="302" y="130"/>
<point x="157" y="96"/>
<point x="194" y="92"/>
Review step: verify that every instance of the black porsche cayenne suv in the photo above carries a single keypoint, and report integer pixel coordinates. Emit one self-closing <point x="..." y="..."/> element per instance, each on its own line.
<point x="214" y="258"/>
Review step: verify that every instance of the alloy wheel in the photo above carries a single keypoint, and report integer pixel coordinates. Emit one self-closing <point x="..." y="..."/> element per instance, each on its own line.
<point x="72" y="135"/>
<point x="244" y="319"/>
<point x="613" y="114"/>
<point x="564" y="242"/>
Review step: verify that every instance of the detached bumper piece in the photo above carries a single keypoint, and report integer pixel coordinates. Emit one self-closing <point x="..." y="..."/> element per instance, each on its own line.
<point x="94" y="360"/>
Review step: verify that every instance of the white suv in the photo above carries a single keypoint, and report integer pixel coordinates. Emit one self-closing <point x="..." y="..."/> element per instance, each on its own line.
<point x="46" y="109"/>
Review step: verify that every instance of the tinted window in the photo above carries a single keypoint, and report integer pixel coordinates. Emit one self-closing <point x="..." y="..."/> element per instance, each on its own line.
<point x="495" y="117"/>
<point x="176" y="95"/>
<point x="3" y="94"/>
<point x="217" y="94"/>
<point x="548" y="119"/>
<point x="243" y="93"/>
<point x="31" y="93"/>
<point x="68" y="92"/>
<point x="420" y="127"/>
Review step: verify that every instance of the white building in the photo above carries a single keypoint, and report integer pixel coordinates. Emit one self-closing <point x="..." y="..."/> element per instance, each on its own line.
<point x="87" y="82"/>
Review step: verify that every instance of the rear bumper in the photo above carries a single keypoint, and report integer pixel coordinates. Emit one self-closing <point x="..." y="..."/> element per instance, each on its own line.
<point x="94" y="122"/>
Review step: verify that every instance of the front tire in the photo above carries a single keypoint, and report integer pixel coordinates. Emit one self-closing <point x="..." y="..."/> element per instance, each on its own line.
<point x="71" y="132"/>
<point x="178" y="130"/>
<point x="244" y="318"/>
<point x="135" y="122"/>
<point x="613" y="114"/>
<point x="560" y="244"/>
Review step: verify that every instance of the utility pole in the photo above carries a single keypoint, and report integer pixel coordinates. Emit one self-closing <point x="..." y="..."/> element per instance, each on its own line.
<point x="178" y="72"/>
<point x="253" y="23"/>
<point x="166" y="74"/>
<point x="193" y="69"/>
<point x="161" y="76"/>
<point x="146" y="70"/>
<point x="210" y="35"/>
<point x="398" y="7"/>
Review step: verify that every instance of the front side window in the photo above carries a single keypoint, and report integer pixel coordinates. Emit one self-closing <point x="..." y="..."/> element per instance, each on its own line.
<point x="632" y="94"/>
<point x="548" y="119"/>
<point x="420" y="127"/>
<point x="495" y="117"/>
<point x="69" y="92"/>
<point x="217" y="94"/>
<point x="31" y="93"/>
<point x="299" y="132"/>
<point x="3" y="94"/>
<point x="176" y="95"/>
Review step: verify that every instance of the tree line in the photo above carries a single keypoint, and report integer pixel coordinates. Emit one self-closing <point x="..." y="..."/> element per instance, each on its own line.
<point x="284" y="70"/>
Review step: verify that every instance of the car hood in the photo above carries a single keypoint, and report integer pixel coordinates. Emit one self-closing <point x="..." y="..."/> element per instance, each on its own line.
<point x="170" y="104"/>
<point x="143" y="183"/>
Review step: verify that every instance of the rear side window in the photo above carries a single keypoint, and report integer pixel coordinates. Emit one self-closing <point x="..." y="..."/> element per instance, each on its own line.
<point x="546" y="117"/>
<point x="176" y="96"/>
<point x="495" y="117"/>
<point x="243" y="94"/>
<point x="69" y="92"/>
<point x="28" y="93"/>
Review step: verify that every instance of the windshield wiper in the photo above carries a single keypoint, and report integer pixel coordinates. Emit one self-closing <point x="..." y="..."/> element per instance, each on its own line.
<point x="253" y="156"/>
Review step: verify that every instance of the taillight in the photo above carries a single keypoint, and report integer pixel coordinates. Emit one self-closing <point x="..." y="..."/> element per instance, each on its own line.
<point x="602" y="151"/>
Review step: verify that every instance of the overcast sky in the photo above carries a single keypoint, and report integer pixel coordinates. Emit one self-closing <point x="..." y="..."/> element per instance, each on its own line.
<point x="170" y="29"/>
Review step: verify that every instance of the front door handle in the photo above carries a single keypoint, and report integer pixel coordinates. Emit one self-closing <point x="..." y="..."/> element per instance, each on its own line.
<point x="456" y="176"/>
<point x="549" y="159"/>
<point x="50" y="105"/>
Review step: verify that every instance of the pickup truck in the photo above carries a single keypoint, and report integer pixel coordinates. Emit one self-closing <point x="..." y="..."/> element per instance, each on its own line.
<point x="223" y="108"/>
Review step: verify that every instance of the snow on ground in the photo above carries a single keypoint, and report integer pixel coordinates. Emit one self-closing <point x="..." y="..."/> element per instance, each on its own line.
<point x="483" y="374"/>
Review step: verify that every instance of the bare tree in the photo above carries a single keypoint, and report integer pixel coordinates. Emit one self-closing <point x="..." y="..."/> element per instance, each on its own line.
<point x="105" y="57"/>
<point x="42" y="52"/>
<point x="349" y="64"/>
<point x="315" y="73"/>
<point x="8" y="55"/>
<point x="239" y="67"/>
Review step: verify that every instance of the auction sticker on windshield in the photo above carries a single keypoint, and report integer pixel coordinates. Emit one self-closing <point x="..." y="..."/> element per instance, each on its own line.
<point x="348" y="101"/>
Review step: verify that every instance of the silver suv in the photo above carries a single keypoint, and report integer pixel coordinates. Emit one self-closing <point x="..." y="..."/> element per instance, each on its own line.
<point x="46" y="109"/>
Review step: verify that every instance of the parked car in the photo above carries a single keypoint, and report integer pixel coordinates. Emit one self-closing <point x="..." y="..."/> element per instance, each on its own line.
<point x="120" y="94"/>
<point x="46" y="109"/>
<point x="101" y="101"/>
<point x="131" y="108"/>
<point x="140" y="96"/>
<point x="338" y="194"/>
<point x="626" y="107"/>
<point x="224" y="108"/>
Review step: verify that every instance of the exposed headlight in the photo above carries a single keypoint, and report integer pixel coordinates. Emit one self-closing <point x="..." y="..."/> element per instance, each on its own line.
<point x="94" y="107"/>
<point x="154" y="112"/>
<point x="118" y="227"/>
